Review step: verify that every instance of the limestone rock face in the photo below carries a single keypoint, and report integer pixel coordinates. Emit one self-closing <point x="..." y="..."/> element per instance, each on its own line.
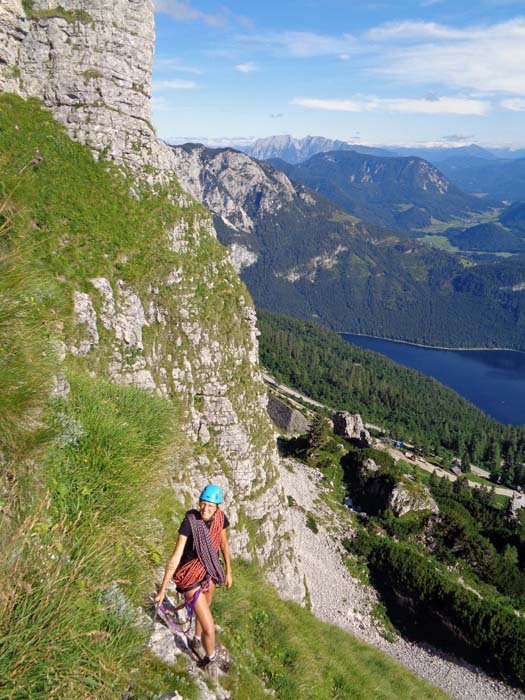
<point x="351" y="427"/>
<point x="408" y="497"/>
<point x="286" y="418"/>
<point x="369" y="467"/>
<point x="90" y="63"/>
<point x="193" y="337"/>
<point x="232" y="185"/>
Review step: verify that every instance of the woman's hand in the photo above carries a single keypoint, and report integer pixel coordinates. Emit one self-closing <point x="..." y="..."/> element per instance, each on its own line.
<point x="159" y="597"/>
<point x="228" y="581"/>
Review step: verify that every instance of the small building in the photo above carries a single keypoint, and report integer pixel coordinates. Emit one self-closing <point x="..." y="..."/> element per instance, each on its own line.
<point x="456" y="470"/>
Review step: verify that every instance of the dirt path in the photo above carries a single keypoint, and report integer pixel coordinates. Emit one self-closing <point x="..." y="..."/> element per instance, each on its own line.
<point x="428" y="467"/>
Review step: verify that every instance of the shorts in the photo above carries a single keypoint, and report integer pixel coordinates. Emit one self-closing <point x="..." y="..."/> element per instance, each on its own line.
<point x="190" y="588"/>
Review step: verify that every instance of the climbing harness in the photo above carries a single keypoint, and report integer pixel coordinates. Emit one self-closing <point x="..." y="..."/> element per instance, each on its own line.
<point x="167" y="610"/>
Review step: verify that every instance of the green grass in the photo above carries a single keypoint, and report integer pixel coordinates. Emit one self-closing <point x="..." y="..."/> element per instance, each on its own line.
<point x="440" y="242"/>
<point x="473" y="219"/>
<point x="278" y="646"/>
<point x="58" y="11"/>
<point x="57" y="205"/>
<point x="479" y="479"/>
<point x="82" y="557"/>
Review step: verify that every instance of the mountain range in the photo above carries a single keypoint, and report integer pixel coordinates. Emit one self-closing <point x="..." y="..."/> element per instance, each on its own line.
<point x="406" y="194"/>
<point x="470" y="167"/>
<point x="293" y="150"/>
<point x="503" y="179"/>
<point x="302" y="255"/>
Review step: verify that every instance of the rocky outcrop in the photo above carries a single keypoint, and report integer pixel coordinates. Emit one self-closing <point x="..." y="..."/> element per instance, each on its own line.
<point x="514" y="505"/>
<point x="351" y="427"/>
<point x="231" y="184"/>
<point x="90" y="62"/>
<point x="192" y="336"/>
<point x="293" y="150"/>
<point x="408" y="496"/>
<point x="286" y="418"/>
<point x="369" y="467"/>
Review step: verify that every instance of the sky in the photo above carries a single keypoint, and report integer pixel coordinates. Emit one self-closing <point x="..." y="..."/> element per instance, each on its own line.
<point x="380" y="73"/>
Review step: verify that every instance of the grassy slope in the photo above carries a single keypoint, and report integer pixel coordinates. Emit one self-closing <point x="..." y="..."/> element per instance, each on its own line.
<point x="284" y="647"/>
<point x="86" y="512"/>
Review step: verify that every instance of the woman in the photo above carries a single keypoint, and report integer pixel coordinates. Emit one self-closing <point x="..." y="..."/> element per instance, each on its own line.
<point x="196" y="568"/>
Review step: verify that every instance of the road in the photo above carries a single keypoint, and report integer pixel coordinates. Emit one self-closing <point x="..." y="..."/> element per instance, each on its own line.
<point x="419" y="462"/>
<point x="397" y="454"/>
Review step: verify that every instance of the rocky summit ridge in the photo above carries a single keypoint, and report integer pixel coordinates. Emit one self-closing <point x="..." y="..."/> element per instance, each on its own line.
<point x="90" y="65"/>
<point x="294" y="150"/>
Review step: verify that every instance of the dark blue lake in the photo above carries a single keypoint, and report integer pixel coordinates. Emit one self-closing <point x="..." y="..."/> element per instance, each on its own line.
<point x="493" y="380"/>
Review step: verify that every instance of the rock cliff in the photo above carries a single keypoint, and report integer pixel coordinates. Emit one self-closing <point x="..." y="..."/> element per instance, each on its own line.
<point x="351" y="427"/>
<point x="191" y="335"/>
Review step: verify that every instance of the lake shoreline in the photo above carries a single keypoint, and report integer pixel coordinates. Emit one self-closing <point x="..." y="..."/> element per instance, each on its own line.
<point x="492" y="381"/>
<point x="429" y="347"/>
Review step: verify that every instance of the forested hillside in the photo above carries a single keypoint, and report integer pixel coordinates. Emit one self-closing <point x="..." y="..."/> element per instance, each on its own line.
<point x="402" y="194"/>
<point x="301" y="255"/>
<point x="409" y="405"/>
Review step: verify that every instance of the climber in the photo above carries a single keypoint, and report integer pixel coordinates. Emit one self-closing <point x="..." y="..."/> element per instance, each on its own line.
<point x="196" y="569"/>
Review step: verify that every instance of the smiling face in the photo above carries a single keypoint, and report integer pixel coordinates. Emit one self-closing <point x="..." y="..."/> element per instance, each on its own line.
<point x="207" y="510"/>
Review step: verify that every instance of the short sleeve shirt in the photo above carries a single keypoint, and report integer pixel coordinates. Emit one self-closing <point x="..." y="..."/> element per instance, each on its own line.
<point x="190" y="552"/>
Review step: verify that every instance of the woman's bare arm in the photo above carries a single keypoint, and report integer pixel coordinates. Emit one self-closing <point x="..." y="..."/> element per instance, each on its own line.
<point x="225" y="549"/>
<point x="173" y="563"/>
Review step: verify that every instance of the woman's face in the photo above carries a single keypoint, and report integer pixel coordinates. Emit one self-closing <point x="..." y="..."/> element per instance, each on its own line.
<point x="207" y="509"/>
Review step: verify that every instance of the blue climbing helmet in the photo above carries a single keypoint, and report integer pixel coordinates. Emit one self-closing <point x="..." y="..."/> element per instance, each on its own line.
<point x="212" y="494"/>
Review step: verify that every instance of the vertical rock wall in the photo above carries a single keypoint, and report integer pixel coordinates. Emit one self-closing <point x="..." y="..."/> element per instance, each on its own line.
<point x="90" y="63"/>
<point x="193" y="337"/>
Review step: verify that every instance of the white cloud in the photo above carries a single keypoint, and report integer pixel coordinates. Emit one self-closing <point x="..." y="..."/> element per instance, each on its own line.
<point x="184" y="12"/>
<point x="302" y="44"/>
<point x="487" y="58"/>
<point x="245" y="67"/>
<point x="161" y="105"/>
<point x="333" y="105"/>
<point x="442" y="105"/>
<point x="174" y="65"/>
<point x="401" y="31"/>
<point x="174" y="85"/>
<point x="514" y="105"/>
<point x="484" y="58"/>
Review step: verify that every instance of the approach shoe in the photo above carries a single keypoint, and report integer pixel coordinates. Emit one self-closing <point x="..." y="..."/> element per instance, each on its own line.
<point x="210" y="667"/>
<point x="197" y="648"/>
<point x="212" y="671"/>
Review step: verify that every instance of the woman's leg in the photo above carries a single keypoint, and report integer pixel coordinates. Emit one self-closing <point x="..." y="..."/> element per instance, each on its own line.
<point x="205" y="625"/>
<point x="209" y="597"/>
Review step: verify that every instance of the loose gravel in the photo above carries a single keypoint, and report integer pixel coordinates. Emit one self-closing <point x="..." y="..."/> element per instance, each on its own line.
<point x="340" y="599"/>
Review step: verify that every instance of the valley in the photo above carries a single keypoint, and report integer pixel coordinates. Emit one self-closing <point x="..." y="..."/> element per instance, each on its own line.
<point x="300" y="254"/>
<point x="169" y="318"/>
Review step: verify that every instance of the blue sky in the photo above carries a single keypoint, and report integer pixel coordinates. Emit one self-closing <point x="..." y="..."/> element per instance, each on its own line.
<point x="378" y="72"/>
